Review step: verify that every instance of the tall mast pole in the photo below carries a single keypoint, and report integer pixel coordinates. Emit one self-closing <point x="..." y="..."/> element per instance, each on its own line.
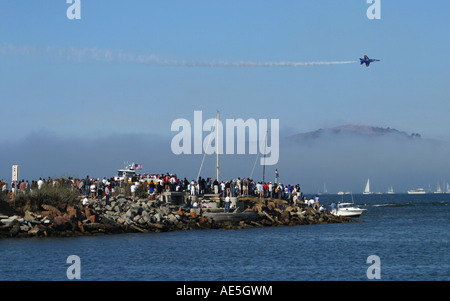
<point x="217" y="146"/>
<point x="264" y="166"/>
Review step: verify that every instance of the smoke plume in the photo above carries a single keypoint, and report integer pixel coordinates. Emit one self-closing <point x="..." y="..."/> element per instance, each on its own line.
<point x="138" y="57"/>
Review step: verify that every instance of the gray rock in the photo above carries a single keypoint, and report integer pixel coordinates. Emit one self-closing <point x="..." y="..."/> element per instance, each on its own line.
<point x="35" y="230"/>
<point x="6" y="221"/>
<point x="24" y="228"/>
<point x="130" y="213"/>
<point x="157" y="217"/>
<point x="146" y="218"/>
<point x="171" y="217"/>
<point x="164" y="210"/>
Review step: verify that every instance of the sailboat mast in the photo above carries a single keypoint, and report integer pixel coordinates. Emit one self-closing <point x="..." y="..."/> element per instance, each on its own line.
<point x="264" y="166"/>
<point x="217" y="146"/>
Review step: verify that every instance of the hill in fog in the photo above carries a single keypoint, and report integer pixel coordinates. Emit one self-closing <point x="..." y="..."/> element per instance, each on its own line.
<point x="344" y="157"/>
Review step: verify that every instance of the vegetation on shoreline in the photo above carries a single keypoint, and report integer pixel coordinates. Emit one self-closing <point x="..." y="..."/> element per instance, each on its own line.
<point x="58" y="197"/>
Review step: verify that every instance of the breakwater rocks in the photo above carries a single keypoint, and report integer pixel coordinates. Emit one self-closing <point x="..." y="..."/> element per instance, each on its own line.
<point x="123" y="215"/>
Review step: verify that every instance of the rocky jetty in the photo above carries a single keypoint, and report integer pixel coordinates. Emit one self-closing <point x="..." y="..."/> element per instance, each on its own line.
<point x="123" y="215"/>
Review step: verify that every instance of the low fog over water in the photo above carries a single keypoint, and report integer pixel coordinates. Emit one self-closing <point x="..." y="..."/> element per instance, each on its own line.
<point x="340" y="159"/>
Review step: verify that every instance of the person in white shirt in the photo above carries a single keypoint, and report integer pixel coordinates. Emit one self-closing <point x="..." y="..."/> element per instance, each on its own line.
<point x="192" y="187"/>
<point x="133" y="191"/>
<point x="222" y="187"/>
<point x="227" y="204"/>
<point x="40" y="183"/>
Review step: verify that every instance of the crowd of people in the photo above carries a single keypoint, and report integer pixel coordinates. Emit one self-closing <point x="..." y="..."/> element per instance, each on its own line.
<point x="232" y="188"/>
<point x="151" y="186"/>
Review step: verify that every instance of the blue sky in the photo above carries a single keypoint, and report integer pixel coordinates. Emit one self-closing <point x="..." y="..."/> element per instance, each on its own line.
<point x="41" y="92"/>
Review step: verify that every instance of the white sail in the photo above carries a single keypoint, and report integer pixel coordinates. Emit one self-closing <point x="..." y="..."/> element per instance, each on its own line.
<point x="438" y="189"/>
<point x="391" y="190"/>
<point x="367" y="188"/>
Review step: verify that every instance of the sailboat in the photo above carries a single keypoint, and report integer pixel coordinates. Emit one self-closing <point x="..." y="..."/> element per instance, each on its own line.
<point x="447" y="190"/>
<point x="438" y="189"/>
<point x="367" y="189"/>
<point x="391" y="190"/>
<point x="324" y="191"/>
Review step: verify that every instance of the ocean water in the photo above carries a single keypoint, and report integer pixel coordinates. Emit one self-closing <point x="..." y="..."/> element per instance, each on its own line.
<point x="409" y="234"/>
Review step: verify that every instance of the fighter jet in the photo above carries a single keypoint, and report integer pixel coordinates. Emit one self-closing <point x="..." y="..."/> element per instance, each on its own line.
<point x="367" y="61"/>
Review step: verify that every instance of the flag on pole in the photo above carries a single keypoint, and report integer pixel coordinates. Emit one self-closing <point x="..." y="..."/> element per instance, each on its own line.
<point x="138" y="167"/>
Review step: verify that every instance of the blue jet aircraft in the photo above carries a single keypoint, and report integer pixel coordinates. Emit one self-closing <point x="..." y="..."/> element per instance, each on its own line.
<point x="367" y="61"/>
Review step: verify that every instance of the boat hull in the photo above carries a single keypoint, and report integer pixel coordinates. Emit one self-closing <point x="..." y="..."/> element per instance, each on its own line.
<point x="416" y="192"/>
<point x="349" y="213"/>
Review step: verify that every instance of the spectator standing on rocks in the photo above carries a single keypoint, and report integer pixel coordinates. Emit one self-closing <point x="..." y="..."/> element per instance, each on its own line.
<point x="216" y="186"/>
<point x="333" y="207"/>
<point x="107" y="193"/>
<point x="222" y="188"/>
<point x="81" y="186"/>
<point x="227" y="204"/>
<point x="4" y="186"/>
<point x="192" y="187"/>
<point x="133" y="191"/>
<point x="92" y="188"/>
<point x="22" y="187"/>
<point x="316" y="202"/>
<point x="99" y="189"/>
<point x="85" y="202"/>
<point x="40" y="183"/>
<point x="87" y="186"/>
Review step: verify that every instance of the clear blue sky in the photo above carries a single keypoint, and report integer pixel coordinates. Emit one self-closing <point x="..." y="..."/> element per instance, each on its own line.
<point x="40" y="92"/>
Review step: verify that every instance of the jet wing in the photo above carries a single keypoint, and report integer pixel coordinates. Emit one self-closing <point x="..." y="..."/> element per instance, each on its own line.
<point x="367" y="64"/>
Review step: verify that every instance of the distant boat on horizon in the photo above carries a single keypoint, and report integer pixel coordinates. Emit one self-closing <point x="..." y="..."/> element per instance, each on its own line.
<point x="390" y="190"/>
<point x="417" y="191"/>
<point x="367" y="188"/>
<point x="324" y="191"/>
<point x="438" y="190"/>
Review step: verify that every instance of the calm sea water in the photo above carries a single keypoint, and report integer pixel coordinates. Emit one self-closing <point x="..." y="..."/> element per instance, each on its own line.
<point x="409" y="233"/>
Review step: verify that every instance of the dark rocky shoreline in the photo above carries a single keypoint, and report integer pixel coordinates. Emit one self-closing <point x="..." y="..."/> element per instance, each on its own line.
<point x="124" y="215"/>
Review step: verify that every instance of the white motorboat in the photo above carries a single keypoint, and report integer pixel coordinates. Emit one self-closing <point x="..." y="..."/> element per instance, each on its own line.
<point x="348" y="209"/>
<point x="417" y="191"/>
<point x="126" y="173"/>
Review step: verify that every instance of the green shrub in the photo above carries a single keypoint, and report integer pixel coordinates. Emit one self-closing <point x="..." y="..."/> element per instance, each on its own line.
<point x="58" y="197"/>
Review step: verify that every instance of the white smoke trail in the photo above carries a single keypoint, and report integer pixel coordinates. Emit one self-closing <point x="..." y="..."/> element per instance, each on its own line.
<point x="128" y="56"/>
<point x="250" y="64"/>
